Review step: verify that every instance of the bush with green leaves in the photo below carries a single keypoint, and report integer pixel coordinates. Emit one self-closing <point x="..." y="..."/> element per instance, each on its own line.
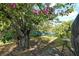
<point x="63" y="30"/>
<point x="7" y="36"/>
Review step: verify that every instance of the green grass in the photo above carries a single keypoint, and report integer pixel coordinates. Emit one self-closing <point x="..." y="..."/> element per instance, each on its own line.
<point x="44" y="38"/>
<point x="58" y="42"/>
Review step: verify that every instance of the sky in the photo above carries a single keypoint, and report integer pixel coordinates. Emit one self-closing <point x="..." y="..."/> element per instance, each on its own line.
<point x="71" y="16"/>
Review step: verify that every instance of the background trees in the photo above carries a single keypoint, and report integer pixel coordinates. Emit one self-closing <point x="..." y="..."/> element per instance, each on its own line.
<point x="63" y="30"/>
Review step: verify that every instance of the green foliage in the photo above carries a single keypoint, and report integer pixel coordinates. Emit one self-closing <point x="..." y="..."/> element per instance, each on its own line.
<point x="63" y="30"/>
<point x="58" y="5"/>
<point x="4" y="24"/>
<point x="7" y="36"/>
<point x="46" y="26"/>
<point x="64" y="8"/>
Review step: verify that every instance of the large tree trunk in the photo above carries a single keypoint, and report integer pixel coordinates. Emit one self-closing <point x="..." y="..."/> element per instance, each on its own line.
<point x="75" y="35"/>
<point x="23" y="41"/>
<point x="27" y="40"/>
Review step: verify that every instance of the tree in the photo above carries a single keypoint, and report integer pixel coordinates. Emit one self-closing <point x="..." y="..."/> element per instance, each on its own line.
<point x="45" y="27"/>
<point x="75" y="35"/>
<point x="22" y="18"/>
<point x="63" y="30"/>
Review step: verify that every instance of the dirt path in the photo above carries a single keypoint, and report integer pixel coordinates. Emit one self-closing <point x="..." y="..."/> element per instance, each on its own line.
<point x="40" y="49"/>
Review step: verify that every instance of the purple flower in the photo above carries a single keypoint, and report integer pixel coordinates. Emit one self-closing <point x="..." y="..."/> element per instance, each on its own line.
<point x="46" y="11"/>
<point x="13" y="5"/>
<point x="37" y="12"/>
